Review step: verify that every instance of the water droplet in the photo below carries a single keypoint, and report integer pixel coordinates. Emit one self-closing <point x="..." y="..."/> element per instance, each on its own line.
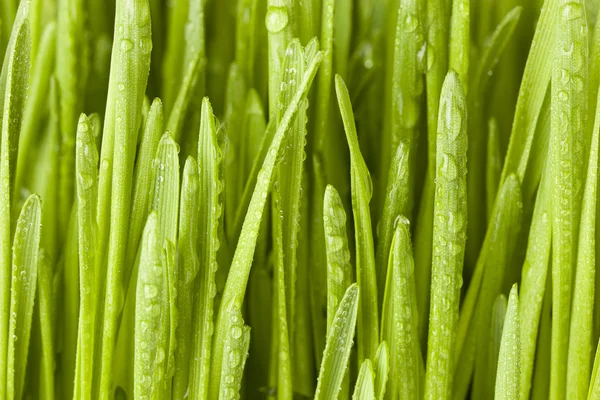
<point x="411" y="22"/>
<point x="571" y="11"/>
<point x="126" y="44"/>
<point x="277" y="19"/>
<point x="236" y="332"/>
<point x="151" y="291"/>
<point x="121" y="87"/>
<point x="145" y="45"/>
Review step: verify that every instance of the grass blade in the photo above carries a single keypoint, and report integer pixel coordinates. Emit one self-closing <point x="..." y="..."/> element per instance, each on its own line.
<point x="13" y="83"/>
<point x="509" y="361"/>
<point x="46" y="301"/>
<point x="237" y="343"/>
<point x="365" y="386"/>
<point x="449" y="232"/>
<point x="209" y="217"/>
<point x="400" y="321"/>
<point x="26" y="249"/>
<point x="87" y="193"/>
<point x="189" y="265"/>
<point x="338" y="346"/>
<point x="569" y="124"/>
<point x="581" y="329"/>
<point x="240" y="267"/>
<point x="362" y="189"/>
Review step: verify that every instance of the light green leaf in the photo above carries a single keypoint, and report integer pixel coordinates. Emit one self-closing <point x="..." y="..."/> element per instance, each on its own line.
<point x="26" y="249"/>
<point x="365" y="389"/>
<point x="449" y="233"/>
<point x="338" y="346"/>
<point x="509" y="360"/>
<point x="362" y="189"/>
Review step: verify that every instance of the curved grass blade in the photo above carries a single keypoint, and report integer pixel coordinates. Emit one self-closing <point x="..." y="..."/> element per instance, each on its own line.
<point x="509" y="360"/>
<point x="237" y="343"/>
<point x="567" y="152"/>
<point x="397" y="193"/>
<point x="365" y="386"/>
<point x="338" y="346"/>
<point x="26" y="249"/>
<point x="497" y="327"/>
<point x="362" y="189"/>
<point x="581" y="328"/>
<point x="237" y="279"/>
<point x="86" y="160"/>
<point x="209" y="217"/>
<point x="13" y="84"/>
<point x="449" y="232"/>
<point x="130" y="65"/>
<point x="594" y="393"/>
<point x="400" y="319"/>
<point x="189" y="265"/>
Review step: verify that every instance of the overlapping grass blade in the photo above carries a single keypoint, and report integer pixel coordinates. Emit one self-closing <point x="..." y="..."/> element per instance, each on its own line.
<point x="509" y="361"/>
<point x="13" y="84"/>
<point x="237" y="343"/>
<point x="240" y="268"/>
<point x="365" y="384"/>
<point x="400" y="319"/>
<point x="338" y="346"/>
<point x="209" y="217"/>
<point x="362" y="189"/>
<point x="26" y="249"/>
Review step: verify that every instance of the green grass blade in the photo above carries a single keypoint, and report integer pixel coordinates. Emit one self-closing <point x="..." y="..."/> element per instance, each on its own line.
<point x="580" y="338"/>
<point x="324" y="80"/>
<point x="150" y="350"/>
<point x="491" y="271"/>
<point x="26" y="249"/>
<point x="46" y="302"/>
<point x="382" y="368"/>
<point x="237" y="343"/>
<point x="71" y="73"/>
<point x="339" y="269"/>
<point x="38" y="93"/>
<point x="567" y="141"/>
<point x="365" y="386"/>
<point x="460" y="44"/>
<point x="189" y="265"/>
<point x="401" y="324"/>
<point x="338" y="346"/>
<point x="129" y="73"/>
<point x="13" y="83"/>
<point x="397" y="192"/>
<point x="280" y="32"/>
<point x="362" y="189"/>
<point x="438" y="23"/>
<point x="449" y="233"/>
<point x="240" y="267"/>
<point x="143" y="182"/>
<point x="509" y="360"/>
<point x="496" y="329"/>
<point x="87" y="193"/>
<point x="209" y="215"/>
<point x="534" y="83"/>
<point x="403" y="116"/>
<point x="493" y="166"/>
